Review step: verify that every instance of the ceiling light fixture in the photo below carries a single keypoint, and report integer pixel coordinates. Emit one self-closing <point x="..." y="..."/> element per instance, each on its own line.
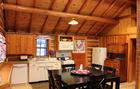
<point x="73" y="22"/>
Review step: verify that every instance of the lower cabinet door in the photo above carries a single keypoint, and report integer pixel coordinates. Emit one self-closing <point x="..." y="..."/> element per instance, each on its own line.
<point x="42" y="75"/>
<point x="38" y="73"/>
<point x="33" y="74"/>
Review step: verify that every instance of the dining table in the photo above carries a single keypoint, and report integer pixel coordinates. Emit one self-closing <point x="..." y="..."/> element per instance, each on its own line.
<point x="73" y="81"/>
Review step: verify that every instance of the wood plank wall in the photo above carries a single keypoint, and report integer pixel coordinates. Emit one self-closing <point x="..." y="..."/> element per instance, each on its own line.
<point x="26" y="44"/>
<point x="85" y="58"/>
<point x="1" y="19"/>
<point x="91" y="42"/>
<point x="125" y="26"/>
<point x="121" y="34"/>
<point x="80" y="58"/>
<point x="138" y="48"/>
<point x="114" y="43"/>
<point x="1" y="22"/>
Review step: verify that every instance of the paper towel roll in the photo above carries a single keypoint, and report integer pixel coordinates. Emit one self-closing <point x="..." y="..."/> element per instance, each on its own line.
<point x="81" y="67"/>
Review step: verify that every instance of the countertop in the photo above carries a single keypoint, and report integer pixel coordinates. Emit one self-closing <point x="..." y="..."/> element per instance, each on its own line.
<point x="5" y="72"/>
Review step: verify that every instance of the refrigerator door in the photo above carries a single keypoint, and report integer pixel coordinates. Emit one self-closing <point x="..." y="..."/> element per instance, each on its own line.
<point x="99" y="54"/>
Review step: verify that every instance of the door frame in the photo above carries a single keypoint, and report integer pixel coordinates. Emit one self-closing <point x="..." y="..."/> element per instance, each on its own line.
<point x="129" y="63"/>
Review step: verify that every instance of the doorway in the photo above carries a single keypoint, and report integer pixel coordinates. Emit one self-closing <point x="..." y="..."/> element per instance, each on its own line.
<point x="133" y="59"/>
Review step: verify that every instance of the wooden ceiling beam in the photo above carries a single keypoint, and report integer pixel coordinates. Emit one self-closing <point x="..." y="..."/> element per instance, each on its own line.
<point x="128" y="16"/>
<point x="130" y="2"/>
<point x="57" y="14"/>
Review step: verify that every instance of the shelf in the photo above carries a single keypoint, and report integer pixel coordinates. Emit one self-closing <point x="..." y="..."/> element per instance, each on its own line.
<point x="66" y="38"/>
<point x="65" y="42"/>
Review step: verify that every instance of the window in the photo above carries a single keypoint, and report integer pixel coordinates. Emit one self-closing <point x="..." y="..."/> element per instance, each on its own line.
<point x="41" y="47"/>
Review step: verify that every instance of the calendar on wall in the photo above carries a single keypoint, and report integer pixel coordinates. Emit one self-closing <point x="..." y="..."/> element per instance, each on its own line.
<point x="79" y="46"/>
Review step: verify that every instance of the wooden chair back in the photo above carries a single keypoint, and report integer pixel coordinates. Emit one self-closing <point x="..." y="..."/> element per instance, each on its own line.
<point x="97" y="66"/>
<point x="68" y="67"/>
<point x="109" y="70"/>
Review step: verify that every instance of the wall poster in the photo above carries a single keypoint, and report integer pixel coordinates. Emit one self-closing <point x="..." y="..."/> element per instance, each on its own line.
<point x="79" y="46"/>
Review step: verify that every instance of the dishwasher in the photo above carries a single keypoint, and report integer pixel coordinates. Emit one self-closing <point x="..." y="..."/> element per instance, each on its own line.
<point x="19" y="74"/>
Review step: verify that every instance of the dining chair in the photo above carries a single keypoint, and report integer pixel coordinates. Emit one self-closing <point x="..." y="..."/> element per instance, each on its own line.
<point x="96" y="82"/>
<point x="109" y="71"/>
<point x="97" y="66"/>
<point x="51" y="80"/>
<point x="55" y="81"/>
<point x="68" y="67"/>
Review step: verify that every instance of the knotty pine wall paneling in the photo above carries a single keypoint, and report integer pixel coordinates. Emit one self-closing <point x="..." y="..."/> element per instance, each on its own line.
<point x="91" y="42"/>
<point x="138" y="47"/>
<point x="52" y="43"/>
<point x="1" y="19"/>
<point x="122" y="33"/>
<point x="113" y="43"/>
<point x="85" y="58"/>
<point x="80" y="58"/>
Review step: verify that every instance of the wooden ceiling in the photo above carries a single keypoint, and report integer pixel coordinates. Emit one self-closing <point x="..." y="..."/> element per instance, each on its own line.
<point x="52" y="16"/>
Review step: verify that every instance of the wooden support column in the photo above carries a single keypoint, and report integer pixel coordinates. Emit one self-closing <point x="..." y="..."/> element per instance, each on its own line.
<point x="138" y="47"/>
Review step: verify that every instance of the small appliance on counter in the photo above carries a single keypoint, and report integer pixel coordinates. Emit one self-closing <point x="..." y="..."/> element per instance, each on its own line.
<point x="24" y="57"/>
<point x="67" y="61"/>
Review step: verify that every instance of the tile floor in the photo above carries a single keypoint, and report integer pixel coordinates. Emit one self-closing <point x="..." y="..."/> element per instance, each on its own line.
<point x="45" y="86"/>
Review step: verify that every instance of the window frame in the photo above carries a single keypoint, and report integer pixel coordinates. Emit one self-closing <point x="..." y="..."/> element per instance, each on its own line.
<point x="46" y="55"/>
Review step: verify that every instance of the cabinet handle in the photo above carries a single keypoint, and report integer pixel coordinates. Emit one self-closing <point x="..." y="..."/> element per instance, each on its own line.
<point x="19" y="66"/>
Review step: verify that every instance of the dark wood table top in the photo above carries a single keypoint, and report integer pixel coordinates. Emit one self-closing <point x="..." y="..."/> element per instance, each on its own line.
<point x="73" y="80"/>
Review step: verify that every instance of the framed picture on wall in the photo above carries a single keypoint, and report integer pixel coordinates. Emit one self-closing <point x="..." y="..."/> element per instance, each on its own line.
<point x="79" y="46"/>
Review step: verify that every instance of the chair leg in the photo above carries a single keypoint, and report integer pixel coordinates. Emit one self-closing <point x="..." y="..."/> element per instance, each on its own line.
<point x="111" y="85"/>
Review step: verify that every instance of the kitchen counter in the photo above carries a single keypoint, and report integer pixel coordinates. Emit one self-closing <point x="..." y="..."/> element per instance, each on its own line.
<point x="5" y="74"/>
<point x="17" y="62"/>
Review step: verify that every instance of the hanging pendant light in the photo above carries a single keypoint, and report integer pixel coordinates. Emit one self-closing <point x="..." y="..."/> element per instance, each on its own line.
<point x="73" y="22"/>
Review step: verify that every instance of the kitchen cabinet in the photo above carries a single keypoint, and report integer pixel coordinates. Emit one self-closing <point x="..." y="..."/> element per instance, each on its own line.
<point x="120" y="66"/>
<point x="27" y="44"/>
<point x="18" y="70"/>
<point x="38" y="70"/>
<point x="12" y="44"/>
<point x="65" y="42"/>
<point x="20" y="44"/>
<point x="37" y="73"/>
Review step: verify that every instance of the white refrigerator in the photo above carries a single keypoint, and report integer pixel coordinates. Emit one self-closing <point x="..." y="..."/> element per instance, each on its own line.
<point x="99" y="54"/>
